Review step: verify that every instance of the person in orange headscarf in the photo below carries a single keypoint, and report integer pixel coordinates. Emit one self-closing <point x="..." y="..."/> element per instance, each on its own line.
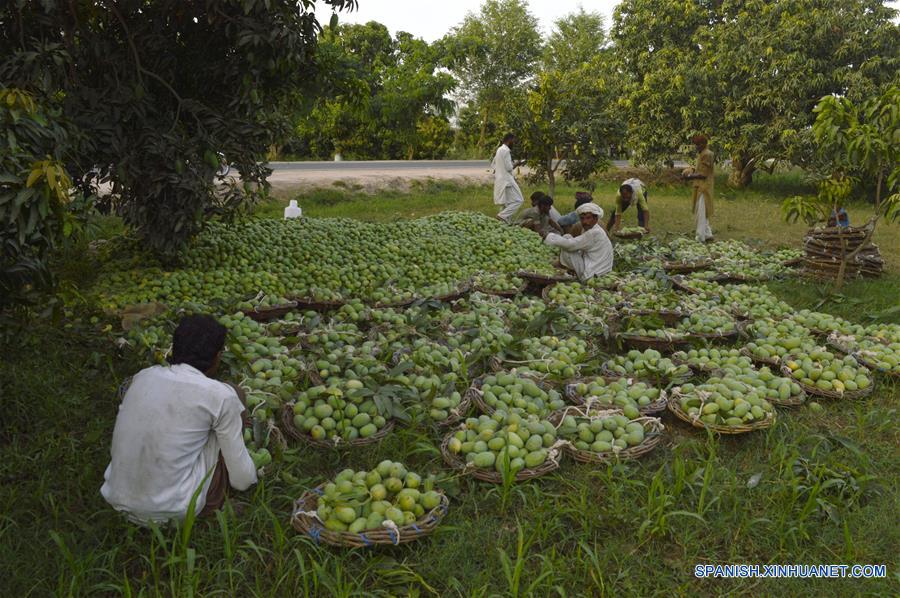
<point x="704" y="180"/>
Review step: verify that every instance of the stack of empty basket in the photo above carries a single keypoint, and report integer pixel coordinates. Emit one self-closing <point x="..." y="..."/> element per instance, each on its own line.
<point x="825" y="248"/>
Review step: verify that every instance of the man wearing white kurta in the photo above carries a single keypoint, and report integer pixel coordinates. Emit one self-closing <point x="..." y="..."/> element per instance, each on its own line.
<point x="589" y="254"/>
<point x="178" y="431"/>
<point x="506" y="190"/>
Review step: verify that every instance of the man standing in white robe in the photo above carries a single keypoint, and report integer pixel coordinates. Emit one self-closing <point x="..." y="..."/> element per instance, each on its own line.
<point x="506" y="190"/>
<point x="589" y="254"/>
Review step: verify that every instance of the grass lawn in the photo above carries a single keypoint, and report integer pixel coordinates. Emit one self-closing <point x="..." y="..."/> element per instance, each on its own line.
<point x="814" y="489"/>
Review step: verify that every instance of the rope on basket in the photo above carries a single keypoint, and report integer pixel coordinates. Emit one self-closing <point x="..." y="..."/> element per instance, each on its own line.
<point x="393" y="531"/>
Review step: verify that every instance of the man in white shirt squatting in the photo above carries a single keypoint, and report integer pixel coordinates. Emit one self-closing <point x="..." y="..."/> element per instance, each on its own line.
<point x="506" y="190"/>
<point x="179" y="430"/>
<point x="591" y="253"/>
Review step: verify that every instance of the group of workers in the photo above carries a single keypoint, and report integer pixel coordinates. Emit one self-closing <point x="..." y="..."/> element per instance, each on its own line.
<point x="580" y="235"/>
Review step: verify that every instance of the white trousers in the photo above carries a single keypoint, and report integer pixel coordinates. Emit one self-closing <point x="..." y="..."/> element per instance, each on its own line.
<point x="512" y="201"/>
<point x="573" y="260"/>
<point x="703" y="231"/>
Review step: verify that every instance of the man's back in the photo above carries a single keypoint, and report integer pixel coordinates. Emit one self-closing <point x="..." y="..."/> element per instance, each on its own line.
<point x="171" y="425"/>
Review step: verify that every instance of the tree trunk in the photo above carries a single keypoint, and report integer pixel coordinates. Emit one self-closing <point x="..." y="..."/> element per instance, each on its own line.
<point x="411" y="152"/>
<point x="742" y="170"/>
<point x="551" y="178"/>
<point x="484" y="121"/>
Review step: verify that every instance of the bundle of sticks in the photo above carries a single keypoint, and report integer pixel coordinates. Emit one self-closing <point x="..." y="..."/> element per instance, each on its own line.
<point x="826" y="247"/>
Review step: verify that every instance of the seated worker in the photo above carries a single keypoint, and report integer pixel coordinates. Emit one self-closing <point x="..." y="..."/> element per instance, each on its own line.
<point x="554" y="213"/>
<point x="590" y="254"/>
<point x="630" y="190"/>
<point x="538" y="218"/>
<point x="839" y="217"/>
<point x="177" y="431"/>
<point x="570" y="222"/>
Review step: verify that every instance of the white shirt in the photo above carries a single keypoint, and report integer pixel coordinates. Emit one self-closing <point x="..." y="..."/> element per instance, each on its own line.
<point x="505" y="187"/>
<point x="172" y="423"/>
<point x="589" y="254"/>
<point x="637" y="186"/>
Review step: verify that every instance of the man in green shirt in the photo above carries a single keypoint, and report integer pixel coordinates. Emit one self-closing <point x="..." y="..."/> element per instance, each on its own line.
<point x="631" y="191"/>
<point x="538" y="218"/>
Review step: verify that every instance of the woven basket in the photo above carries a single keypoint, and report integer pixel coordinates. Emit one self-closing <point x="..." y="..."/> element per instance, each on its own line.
<point x="287" y="422"/>
<point x="675" y="408"/>
<point x="642" y="343"/>
<point x="770" y="361"/>
<point x="267" y="314"/>
<point x="507" y="293"/>
<point x="307" y="303"/>
<point x="812" y="389"/>
<point x="544" y="279"/>
<point x="573" y="397"/>
<point x="681" y="284"/>
<point x="842" y="344"/>
<point x="730" y="335"/>
<point x="461" y="290"/>
<point x="653" y="430"/>
<point x="398" y="303"/>
<point x="685" y="267"/>
<point x="305" y="522"/>
<point x="493" y="476"/>
<point x="732" y="279"/>
<point x="628" y="236"/>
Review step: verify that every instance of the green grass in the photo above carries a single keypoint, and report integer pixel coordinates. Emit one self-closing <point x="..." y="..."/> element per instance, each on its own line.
<point x="816" y="488"/>
<point x="751" y="214"/>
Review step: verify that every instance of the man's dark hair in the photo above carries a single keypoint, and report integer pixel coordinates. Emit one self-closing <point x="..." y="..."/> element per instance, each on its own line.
<point x="628" y="188"/>
<point x="582" y="197"/>
<point x="508" y="136"/>
<point x="197" y="341"/>
<point x="536" y="196"/>
<point x="545" y="200"/>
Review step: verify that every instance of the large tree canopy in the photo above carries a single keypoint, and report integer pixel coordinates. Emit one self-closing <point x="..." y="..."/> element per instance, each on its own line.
<point x="152" y="91"/>
<point x="493" y="54"/>
<point x="394" y="104"/>
<point x="566" y="115"/>
<point x="748" y="72"/>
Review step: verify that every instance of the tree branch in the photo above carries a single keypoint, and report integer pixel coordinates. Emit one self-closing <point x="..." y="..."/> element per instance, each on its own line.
<point x="140" y="68"/>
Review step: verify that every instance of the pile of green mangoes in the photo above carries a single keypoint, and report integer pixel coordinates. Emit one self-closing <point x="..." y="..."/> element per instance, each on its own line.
<point x="504" y="442"/>
<point x="518" y="394"/>
<point x="712" y="358"/>
<point x="826" y="322"/>
<point x="724" y="402"/>
<point x="777" y="388"/>
<point x="776" y="338"/>
<point x="330" y="259"/>
<point x="584" y="299"/>
<point x="442" y="405"/>
<point x="361" y="501"/>
<point x="709" y="322"/>
<point x="629" y="396"/>
<point x="633" y="230"/>
<point x="828" y="372"/>
<point x="601" y="434"/>
<point x="886" y="356"/>
<point x="337" y="411"/>
<point x="884" y="332"/>
<point x="494" y="282"/>
<point x="647" y="365"/>
<point x="554" y="356"/>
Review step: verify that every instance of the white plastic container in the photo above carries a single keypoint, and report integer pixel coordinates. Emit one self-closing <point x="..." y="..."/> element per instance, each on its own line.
<point x="293" y="210"/>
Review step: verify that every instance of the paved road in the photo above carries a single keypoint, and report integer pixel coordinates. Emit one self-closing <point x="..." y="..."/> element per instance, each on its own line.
<point x="287" y="177"/>
<point x="387" y="166"/>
